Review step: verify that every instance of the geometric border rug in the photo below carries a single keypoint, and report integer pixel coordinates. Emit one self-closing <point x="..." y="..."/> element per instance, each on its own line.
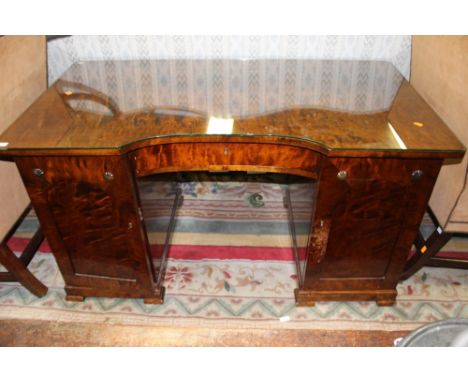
<point x="242" y="294"/>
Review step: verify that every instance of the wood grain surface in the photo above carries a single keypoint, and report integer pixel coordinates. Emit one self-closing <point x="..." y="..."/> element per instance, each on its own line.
<point x="47" y="333"/>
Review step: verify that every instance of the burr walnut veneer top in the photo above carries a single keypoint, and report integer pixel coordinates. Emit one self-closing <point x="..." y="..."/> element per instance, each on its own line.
<point x="342" y="108"/>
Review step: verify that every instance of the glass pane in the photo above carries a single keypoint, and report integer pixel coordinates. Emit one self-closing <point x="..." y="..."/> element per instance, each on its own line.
<point x="301" y="199"/>
<point x="158" y="201"/>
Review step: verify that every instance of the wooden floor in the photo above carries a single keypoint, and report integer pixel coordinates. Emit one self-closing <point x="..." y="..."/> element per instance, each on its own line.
<point x="47" y="333"/>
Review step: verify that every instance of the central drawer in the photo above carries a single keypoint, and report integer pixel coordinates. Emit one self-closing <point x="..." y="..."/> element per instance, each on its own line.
<point x="256" y="157"/>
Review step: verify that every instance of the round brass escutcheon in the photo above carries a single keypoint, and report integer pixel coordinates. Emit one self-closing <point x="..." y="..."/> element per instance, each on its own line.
<point x="342" y="175"/>
<point x="38" y="172"/>
<point x="108" y="176"/>
<point x="417" y="174"/>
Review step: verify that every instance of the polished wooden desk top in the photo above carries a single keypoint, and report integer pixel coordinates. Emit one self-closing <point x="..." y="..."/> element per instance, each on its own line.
<point x="341" y="108"/>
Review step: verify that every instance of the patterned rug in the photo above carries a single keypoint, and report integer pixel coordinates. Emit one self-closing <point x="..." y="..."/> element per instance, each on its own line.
<point x="231" y="265"/>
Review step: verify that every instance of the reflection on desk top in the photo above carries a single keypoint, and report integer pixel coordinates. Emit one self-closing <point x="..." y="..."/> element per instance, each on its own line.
<point x="334" y="105"/>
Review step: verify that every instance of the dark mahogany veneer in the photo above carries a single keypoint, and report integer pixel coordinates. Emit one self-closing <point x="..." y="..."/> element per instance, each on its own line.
<point x="363" y="228"/>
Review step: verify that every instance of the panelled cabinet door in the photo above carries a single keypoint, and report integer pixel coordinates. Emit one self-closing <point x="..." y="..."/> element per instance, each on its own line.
<point x="89" y="210"/>
<point x="368" y="211"/>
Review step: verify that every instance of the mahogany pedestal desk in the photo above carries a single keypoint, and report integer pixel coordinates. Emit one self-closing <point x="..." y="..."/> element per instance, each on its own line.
<point x="356" y="130"/>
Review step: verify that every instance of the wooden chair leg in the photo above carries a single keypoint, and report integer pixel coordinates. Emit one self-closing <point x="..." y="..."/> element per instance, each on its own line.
<point x="17" y="267"/>
<point x="425" y="250"/>
<point x="21" y="273"/>
<point x="32" y="247"/>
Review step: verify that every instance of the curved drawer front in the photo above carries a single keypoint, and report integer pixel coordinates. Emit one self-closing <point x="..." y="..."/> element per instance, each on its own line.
<point x="259" y="157"/>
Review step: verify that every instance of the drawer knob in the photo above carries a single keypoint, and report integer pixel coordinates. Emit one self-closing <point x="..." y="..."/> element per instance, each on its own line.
<point x="417" y="174"/>
<point x="226" y="151"/>
<point x="342" y="175"/>
<point x="38" y="172"/>
<point x="108" y="176"/>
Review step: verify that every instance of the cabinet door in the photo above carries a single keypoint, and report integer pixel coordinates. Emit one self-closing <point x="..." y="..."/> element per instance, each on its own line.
<point x="88" y="209"/>
<point x="366" y="220"/>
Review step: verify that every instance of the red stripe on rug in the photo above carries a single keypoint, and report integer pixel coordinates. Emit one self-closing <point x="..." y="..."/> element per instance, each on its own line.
<point x="18" y="244"/>
<point x="454" y="255"/>
<point x="197" y="252"/>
